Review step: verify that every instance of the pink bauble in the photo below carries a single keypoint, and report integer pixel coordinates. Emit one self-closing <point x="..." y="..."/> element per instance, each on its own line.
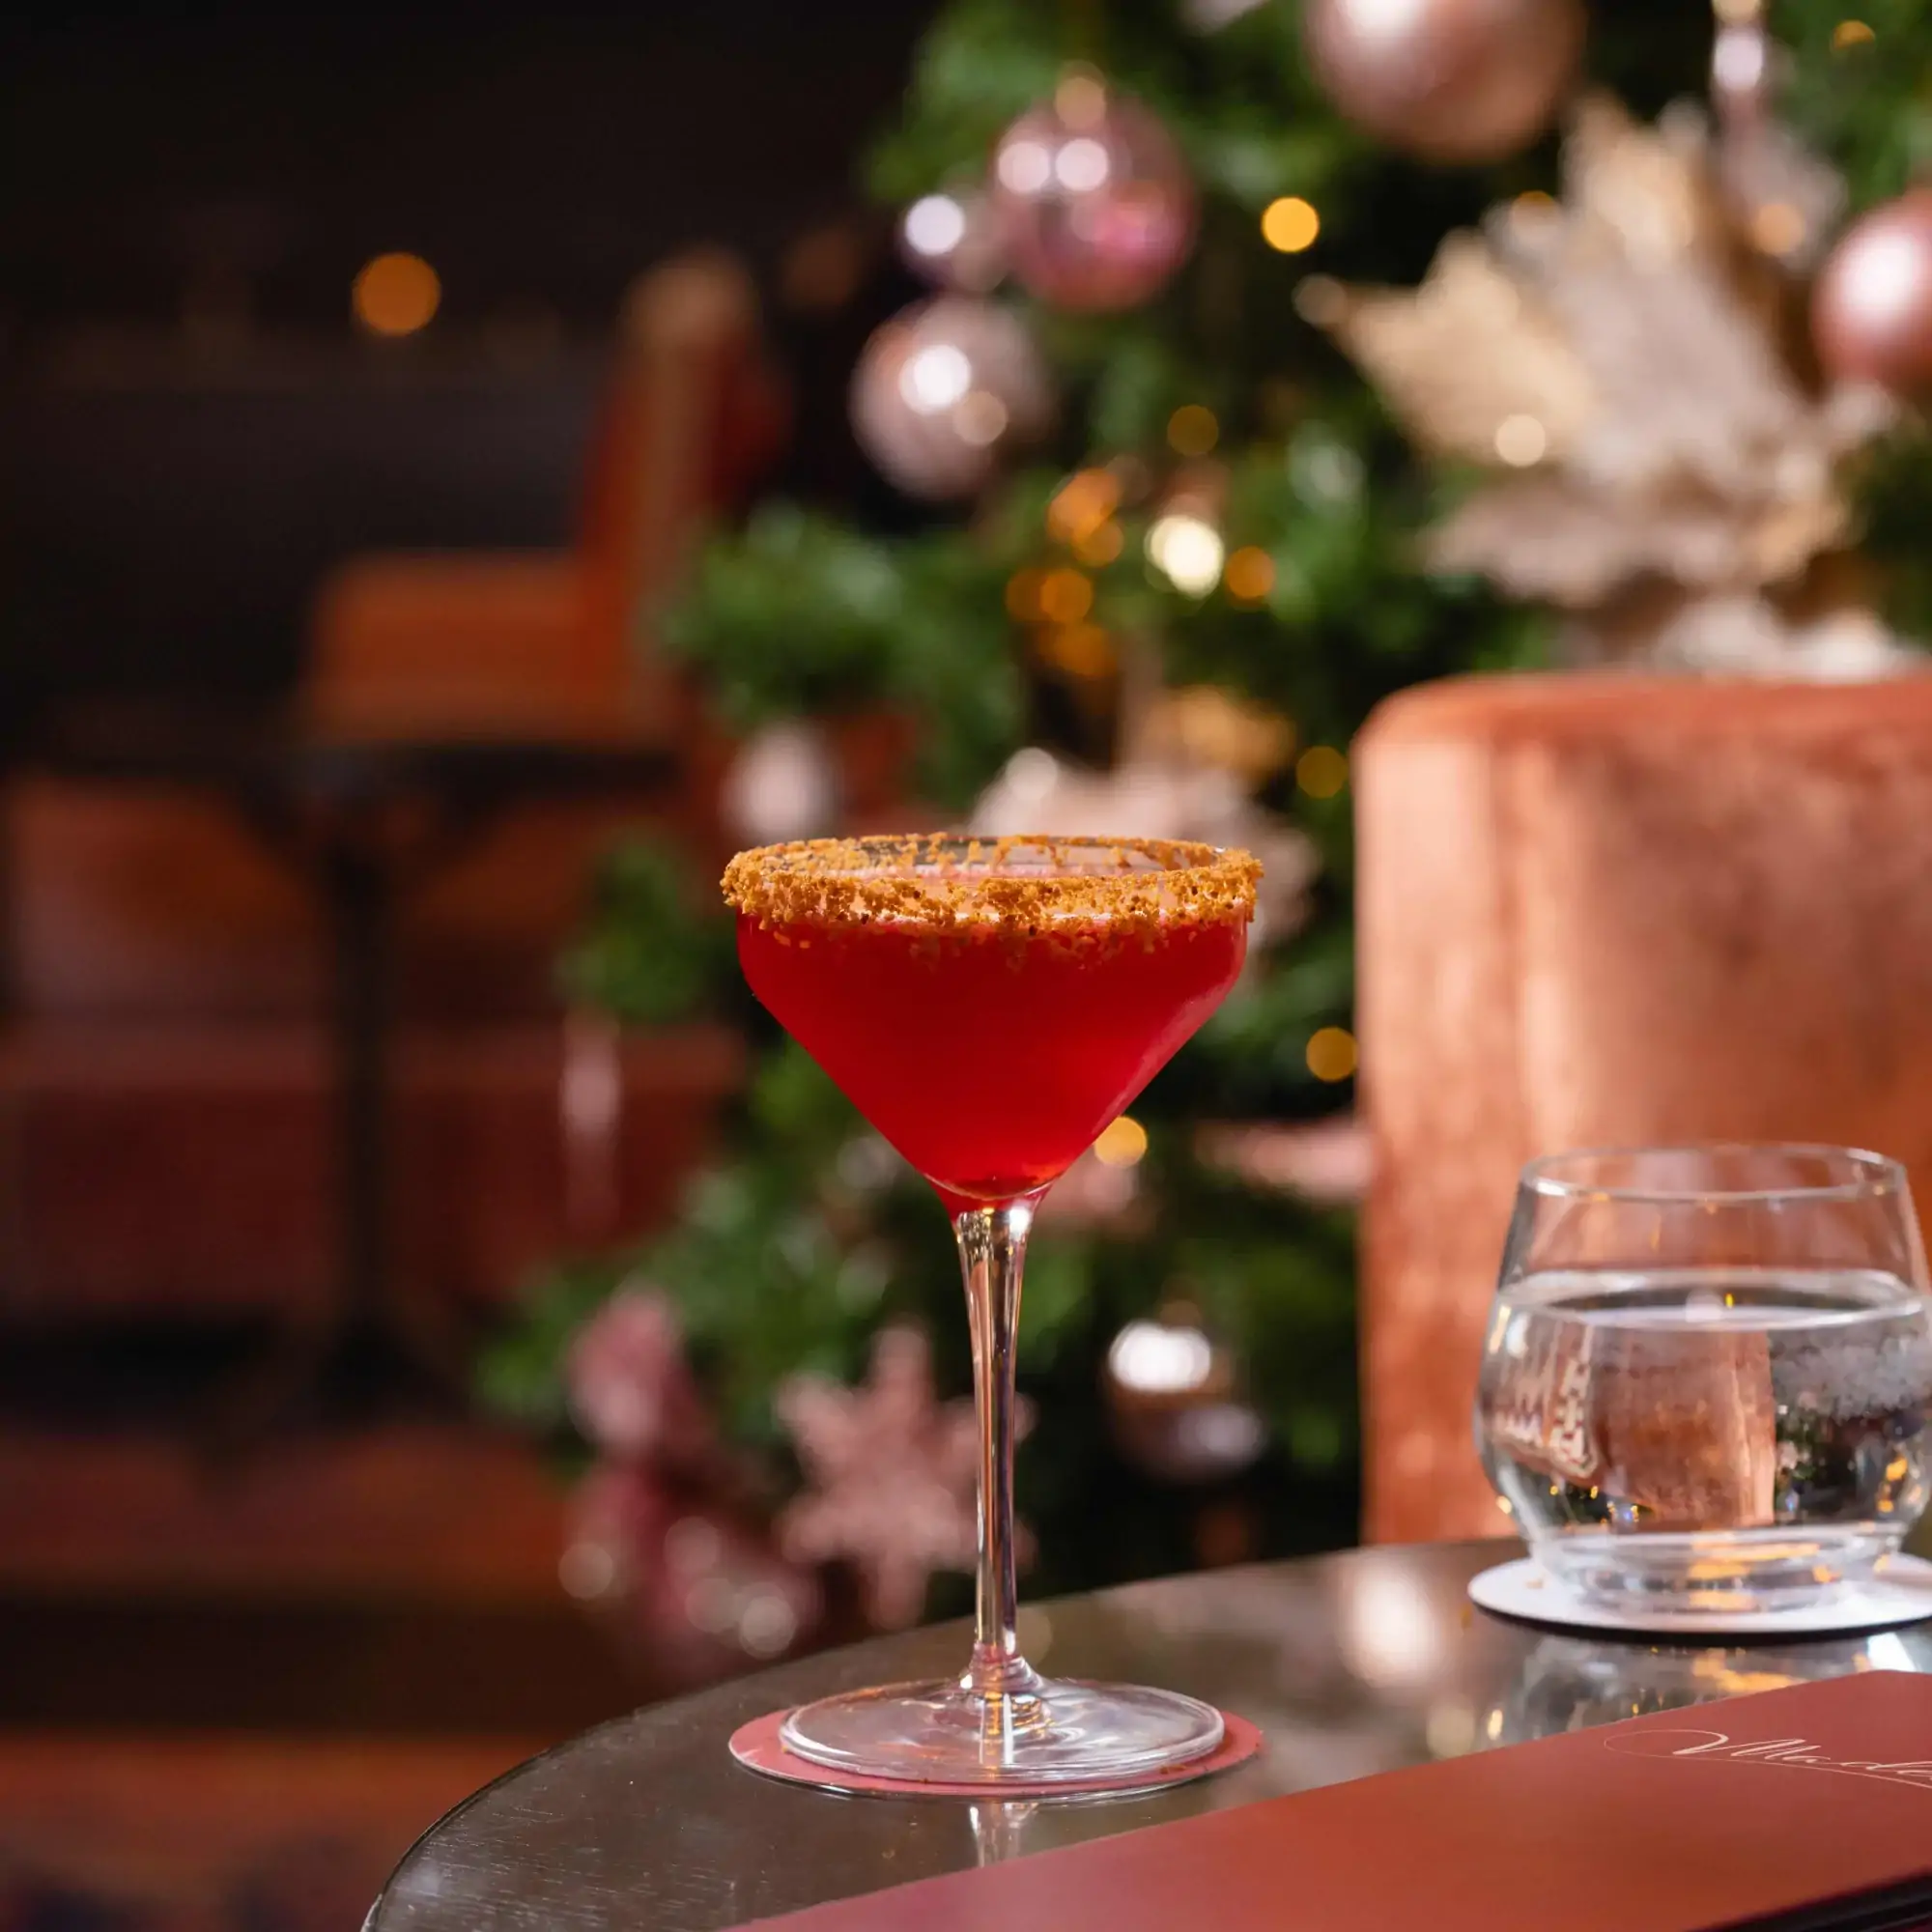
<point x="1451" y="80"/>
<point x="942" y="389"/>
<point x="1095" y="199"/>
<point x="1871" y="312"/>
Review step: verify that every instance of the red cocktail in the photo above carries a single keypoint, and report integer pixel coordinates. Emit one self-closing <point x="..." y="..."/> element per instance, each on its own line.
<point x="990" y="1057"/>
<point x="991" y="1006"/>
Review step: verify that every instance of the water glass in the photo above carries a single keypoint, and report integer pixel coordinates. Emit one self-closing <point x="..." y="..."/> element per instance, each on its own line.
<point x="1707" y="1372"/>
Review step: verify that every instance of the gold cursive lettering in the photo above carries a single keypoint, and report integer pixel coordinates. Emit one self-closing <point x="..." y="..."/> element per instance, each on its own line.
<point x="1799" y="1753"/>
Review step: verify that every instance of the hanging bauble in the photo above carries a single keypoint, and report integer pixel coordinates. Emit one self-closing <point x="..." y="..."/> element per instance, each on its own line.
<point x="781" y="784"/>
<point x="1451" y="80"/>
<point x="1174" y="1400"/>
<point x="953" y="239"/>
<point x="1871" y="313"/>
<point x="942" y="387"/>
<point x="1095" y="199"/>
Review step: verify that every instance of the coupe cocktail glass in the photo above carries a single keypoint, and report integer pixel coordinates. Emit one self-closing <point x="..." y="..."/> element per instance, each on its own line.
<point x="991" y="1006"/>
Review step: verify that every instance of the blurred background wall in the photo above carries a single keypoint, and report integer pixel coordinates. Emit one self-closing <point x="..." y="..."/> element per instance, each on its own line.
<point x="185" y="200"/>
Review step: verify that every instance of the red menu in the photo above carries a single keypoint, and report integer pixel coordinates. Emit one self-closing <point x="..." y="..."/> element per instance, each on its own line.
<point x="1809" y="1807"/>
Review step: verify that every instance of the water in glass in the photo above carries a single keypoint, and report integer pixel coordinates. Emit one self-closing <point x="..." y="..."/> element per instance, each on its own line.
<point x="1717" y="1425"/>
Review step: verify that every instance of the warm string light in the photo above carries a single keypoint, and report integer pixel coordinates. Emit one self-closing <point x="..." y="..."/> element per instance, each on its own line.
<point x="1122" y="1144"/>
<point x="395" y="295"/>
<point x="1081" y="98"/>
<point x="1066" y="596"/>
<point x="1057" y="603"/>
<point x="1081" y="650"/>
<point x="1249" y="574"/>
<point x="1082" y="504"/>
<point x="1322" y="771"/>
<point x="1290" y="224"/>
<point x="1192" y="430"/>
<point x="1101" y="546"/>
<point x="1331" y="1054"/>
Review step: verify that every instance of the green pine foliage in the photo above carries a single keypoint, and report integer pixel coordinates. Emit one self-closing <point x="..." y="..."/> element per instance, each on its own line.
<point x="791" y="1255"/>
<point x="1864" y="98"/>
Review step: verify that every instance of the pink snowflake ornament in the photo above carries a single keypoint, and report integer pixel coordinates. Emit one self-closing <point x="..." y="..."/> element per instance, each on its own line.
<point x="631" y="1390"/>
<point x="890" y="1477"/>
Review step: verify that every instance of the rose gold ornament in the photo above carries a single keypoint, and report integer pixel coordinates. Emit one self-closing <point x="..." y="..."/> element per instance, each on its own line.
<point x="1173" y="1400"/>
<point x="1095" y="199"/>
<point x="1871" y="314"/>
<point x="942" y="389"/>
<point x="1452" y="80"/>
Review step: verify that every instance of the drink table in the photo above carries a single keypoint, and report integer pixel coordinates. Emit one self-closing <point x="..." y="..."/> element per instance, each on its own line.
<point x="362" y="821"/>
<point x="1356" y="1662"/>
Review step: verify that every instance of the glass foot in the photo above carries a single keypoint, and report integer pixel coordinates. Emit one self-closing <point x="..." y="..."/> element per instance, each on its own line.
<point x="1054" y="1732"/>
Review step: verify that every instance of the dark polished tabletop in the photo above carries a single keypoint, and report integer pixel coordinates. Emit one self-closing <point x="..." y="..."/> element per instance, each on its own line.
<point x="1352" y="1664"/>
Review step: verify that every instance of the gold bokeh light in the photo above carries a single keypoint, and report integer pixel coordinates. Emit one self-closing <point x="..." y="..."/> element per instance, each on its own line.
<point x="1331" y="1053"/>
<point x="1122" y="1144"/>
<point x="1082" y="504"/>
<point x="1322" y="771"/>
<point x="1099" y="545"/>
<point x="1066" y="596"/>
<point x="395" y="295"/>
<point x="1023" y="588"/>
<point x="1249" y="574"/>
<point x="1290" y="224"/>
<point x="1192" y="430"/>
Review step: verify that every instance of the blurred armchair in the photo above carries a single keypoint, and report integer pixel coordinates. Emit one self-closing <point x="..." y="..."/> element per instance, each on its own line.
<point x="535" y="643"/>
<point x="1606" y="910"/>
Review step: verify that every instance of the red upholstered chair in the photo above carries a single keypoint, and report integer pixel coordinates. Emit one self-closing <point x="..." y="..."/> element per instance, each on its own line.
<point x="539" y="641"/>
<point x="515" y="644"/>
<point x="1610" y="910"/>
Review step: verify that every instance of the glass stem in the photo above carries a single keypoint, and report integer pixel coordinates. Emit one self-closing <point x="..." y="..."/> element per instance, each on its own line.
<point x="992" y="1254"/>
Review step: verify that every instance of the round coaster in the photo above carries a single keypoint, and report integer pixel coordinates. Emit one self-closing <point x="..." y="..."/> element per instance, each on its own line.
<point x="1900" y="1593"/>
<point x="757" y="1746"/>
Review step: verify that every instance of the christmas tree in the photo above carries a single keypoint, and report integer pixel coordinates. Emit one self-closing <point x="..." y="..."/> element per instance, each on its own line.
<point x="1187" y="547"/>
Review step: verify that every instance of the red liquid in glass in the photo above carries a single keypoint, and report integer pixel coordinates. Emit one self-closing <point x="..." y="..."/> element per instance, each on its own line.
<point x="990" y="1057"/>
